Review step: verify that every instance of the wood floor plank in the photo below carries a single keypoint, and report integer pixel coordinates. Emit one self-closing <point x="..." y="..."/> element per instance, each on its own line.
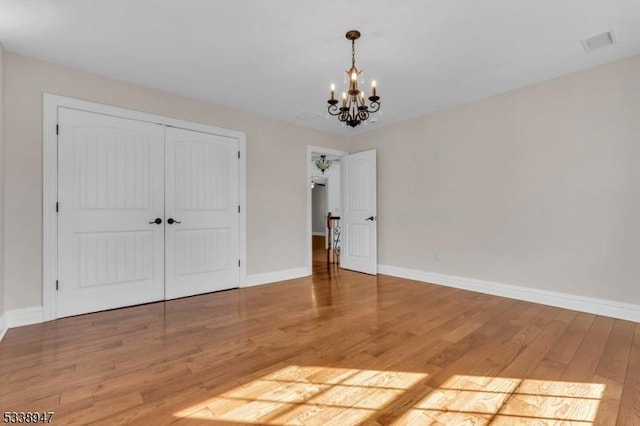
<point x="629" y="411"/>
<point x="612" y="369"/>
<point x="571" y="339"/>
<point x="615" y="357"/>
<point x="583" y="364"/>
<point x="335" y="348"/>
<point x="527" y="361"/>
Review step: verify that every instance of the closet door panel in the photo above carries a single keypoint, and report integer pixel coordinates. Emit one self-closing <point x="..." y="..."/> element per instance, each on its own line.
<point x="110" y="187"/>
<point x="201" y="196"/>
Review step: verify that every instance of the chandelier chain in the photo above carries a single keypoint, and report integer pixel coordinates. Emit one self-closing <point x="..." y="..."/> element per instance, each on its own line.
<point x="353" y="53"/>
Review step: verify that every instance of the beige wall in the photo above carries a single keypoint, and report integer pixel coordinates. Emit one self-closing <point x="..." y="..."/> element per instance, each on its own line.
<point x="538" y="187"/>
<point x="276" y="168"/>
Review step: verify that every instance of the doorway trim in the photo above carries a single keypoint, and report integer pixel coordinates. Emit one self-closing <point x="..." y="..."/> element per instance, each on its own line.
<point x="310" y="150"/>
<point x="50" y="104"/>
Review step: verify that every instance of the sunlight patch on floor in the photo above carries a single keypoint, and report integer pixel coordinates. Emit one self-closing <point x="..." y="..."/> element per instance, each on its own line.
<point x="306" y="394"/>
<point x="507" y="401"/>
<point x="324" y="395"/>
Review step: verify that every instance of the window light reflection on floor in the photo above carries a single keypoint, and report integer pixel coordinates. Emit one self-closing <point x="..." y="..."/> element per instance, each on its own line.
<point x="508" y="401"/>
<point x="322" y="395"/>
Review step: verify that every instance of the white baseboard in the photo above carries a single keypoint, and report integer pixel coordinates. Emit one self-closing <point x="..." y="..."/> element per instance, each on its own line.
<point x="34" y="315"/>
<point x="24" y="316"/>
<point x="319" y="234"/>
<point x="3" y="325"/>
<point x="609" y="308"/>
<point x="270" y="277"/>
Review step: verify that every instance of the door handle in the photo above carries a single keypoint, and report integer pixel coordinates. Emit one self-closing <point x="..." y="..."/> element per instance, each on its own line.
<point x="171" y="221"/>
<point x="372" y="218"/>
<point x="158" y="221"/>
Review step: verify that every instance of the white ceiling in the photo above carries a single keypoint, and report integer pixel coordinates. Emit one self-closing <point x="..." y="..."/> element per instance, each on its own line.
<point x="277" y="58"/>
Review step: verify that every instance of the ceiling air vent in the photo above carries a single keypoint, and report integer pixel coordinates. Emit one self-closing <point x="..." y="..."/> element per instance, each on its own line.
<point x="599" y="41"/>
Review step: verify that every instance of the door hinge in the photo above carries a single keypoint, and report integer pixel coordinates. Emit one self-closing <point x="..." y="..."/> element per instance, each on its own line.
<point x="57" y="129"/>
<point x="57" y="207"/>
<point x="238" y="263"/>
<point x="238" y="208"/>
<point x="238" y="155"/>
<point x="57" y="285"/>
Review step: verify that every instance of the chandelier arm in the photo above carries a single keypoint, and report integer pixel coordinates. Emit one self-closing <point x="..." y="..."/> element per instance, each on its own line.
<point x="333" y="110"/>
<point x="374" y="106"/>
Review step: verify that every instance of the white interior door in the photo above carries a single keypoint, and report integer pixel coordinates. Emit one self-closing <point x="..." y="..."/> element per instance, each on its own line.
<point x="359" y="221"/>
<point x="111" y="187"/>
<point x="202" y="211"/>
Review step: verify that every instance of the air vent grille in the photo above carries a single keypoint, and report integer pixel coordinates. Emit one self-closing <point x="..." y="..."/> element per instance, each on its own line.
<point x="599" y="41"/>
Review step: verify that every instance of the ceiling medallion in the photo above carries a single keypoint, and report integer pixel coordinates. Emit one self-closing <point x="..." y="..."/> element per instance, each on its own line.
<point x="354" y="109"/>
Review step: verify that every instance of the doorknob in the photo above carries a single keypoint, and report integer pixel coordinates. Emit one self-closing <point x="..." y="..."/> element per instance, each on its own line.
<point x="158" y="221"/>
<point x="171" y="221"/>
<point x="372" y="218"/>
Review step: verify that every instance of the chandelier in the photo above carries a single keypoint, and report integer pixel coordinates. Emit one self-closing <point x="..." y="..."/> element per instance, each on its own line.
<point x="354" y="109"/>
<point x="323" y="164"/>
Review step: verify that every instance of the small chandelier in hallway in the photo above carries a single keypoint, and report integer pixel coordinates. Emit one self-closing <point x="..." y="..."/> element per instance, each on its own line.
<point x="323" y="164"/>
<point x="354" y="109"/>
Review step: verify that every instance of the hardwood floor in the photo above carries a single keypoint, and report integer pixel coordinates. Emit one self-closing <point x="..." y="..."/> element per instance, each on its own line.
<point x="335" y="348"/>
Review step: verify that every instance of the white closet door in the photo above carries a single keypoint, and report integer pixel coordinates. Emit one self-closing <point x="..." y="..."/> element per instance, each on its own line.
<point x="201" y="192"/>
<point x="110" y="187"/>
<point x="359" y="210"/>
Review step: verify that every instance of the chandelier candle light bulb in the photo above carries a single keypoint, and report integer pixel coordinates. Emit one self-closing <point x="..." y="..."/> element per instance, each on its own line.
<point x="354" y="109"/>
<point x="333" y="91"/>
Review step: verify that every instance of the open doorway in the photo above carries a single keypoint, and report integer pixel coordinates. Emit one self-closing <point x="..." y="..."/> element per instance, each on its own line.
<point x="319" y="213"/>
<point x="323" y="205"/>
